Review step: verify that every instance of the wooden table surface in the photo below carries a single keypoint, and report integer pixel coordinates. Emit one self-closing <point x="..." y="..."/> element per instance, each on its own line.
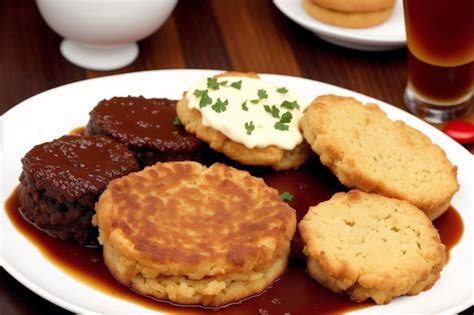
<point x="243" y="35"/>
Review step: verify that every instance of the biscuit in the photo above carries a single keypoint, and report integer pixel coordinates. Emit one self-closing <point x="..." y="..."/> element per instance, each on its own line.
<point x="371" y="246"/>
<point x="277" y="158"/>
<point x="194" y="235"/>
<point x="347" y="19"/>
<point x="354" y="5"/>
<point x="368" y="151"/>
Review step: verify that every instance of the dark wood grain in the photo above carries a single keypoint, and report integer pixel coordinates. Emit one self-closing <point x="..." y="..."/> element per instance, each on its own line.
<point x="244" y="35"/>
<point x="200" y="36"/>
<point x="30" y="61"/>
<point x="15" y="299"/>
<point x="259" y="47"/>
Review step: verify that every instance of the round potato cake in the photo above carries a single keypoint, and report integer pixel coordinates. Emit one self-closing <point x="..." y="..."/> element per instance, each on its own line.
<point x="371" y="246"/>
<point x="194" y="235"/>
<point x="271" y="156"/>
<point x="368" y="151"/>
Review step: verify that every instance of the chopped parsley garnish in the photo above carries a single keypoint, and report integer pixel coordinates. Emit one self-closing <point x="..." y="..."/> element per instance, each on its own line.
<point x="199" y="93"/>
<point x="212" y="83"/>
<point x="244" y="106"/>
<point x="285" y="119"/>
<point x="176" y="121"/>
<point x="286" y="196"/>
<point x="261" y="95"/>
<point x="281" y="126"/>
<point x="220" y="106"/>
<point x="205" y="99"/>
<point x="282" y="90"/>
<point x="236" y="85"/>
<point x="272" y="110"/>
<point x="290" y="105"/>
<point x="250" y="127"/>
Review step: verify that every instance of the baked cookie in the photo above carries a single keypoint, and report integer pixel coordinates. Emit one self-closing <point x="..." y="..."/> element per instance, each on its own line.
<point x="370" y="246"/>
<point x="194" y="235"/>
<point x="354" y="5"/>
<point x="368" y="151"/>
<point x="259" y="142"/>
<point x="354" y="19"/>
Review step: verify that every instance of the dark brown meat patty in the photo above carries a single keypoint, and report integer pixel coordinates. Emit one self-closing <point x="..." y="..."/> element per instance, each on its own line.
<point x="147" y="126"/>
<point x="62" y="180"/>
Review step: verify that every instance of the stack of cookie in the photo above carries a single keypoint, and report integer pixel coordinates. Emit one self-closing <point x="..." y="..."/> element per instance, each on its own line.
<point x="351" y="14"/>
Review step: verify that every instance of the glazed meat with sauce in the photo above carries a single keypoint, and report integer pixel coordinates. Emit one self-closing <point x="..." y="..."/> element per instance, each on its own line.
<point x="149" y="127"/>
<point x="62" y="180"/>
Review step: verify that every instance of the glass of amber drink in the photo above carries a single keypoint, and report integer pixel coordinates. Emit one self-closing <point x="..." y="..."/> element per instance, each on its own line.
<point x="440" y="39"/>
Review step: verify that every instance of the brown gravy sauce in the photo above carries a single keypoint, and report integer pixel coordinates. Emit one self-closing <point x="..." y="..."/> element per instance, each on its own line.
<point x="295" y="292"/>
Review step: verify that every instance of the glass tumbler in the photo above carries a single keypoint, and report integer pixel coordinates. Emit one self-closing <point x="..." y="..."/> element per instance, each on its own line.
<point x="440" y="40"/>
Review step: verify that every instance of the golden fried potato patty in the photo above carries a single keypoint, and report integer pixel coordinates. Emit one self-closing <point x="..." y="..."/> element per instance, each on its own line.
<point x="194" y="235"/>
<point x="370" y="152"/>
<point x="371" y="246"/>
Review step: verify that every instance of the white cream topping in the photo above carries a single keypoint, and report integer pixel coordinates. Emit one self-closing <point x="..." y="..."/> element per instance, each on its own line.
<point x="235" y="123"/>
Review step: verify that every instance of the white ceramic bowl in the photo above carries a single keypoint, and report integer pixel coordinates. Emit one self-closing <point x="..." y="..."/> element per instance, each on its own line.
<point x="102" y="34"/>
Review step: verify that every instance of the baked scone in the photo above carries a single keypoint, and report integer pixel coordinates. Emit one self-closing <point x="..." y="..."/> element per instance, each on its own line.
<point x="368" y="151"/>
<point x="348" y="15"/>
<point x="274" y="155"/>
<point x="371" y="246"/>
<point x="194" y="235"/>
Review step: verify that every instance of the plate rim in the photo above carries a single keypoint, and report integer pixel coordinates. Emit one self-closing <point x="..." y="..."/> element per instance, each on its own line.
<point x="354" y="37"/>
<point x="19" y="276"/>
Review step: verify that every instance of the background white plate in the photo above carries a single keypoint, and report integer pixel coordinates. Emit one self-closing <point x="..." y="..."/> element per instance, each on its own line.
<point x="53" y="113"/>
<point x="386" y="36"/>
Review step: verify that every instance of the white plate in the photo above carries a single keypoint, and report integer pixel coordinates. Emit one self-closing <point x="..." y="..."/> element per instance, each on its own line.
<point x="386" y="36"/>
<point x="55" y="112"/>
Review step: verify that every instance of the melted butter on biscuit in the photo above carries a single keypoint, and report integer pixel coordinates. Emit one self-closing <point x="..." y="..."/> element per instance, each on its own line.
<point x="258" y="114"/>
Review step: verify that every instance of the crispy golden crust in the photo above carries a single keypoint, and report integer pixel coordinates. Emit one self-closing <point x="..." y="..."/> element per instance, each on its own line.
<point x="272" y="156"/>
<point x="210" y="291"/>
<point x="370" y="246"/>
<point x="197" y="224"/>
<point x="347" y="19"/>
<point x="367" y="151"/>
<point x="355" y="5"/>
